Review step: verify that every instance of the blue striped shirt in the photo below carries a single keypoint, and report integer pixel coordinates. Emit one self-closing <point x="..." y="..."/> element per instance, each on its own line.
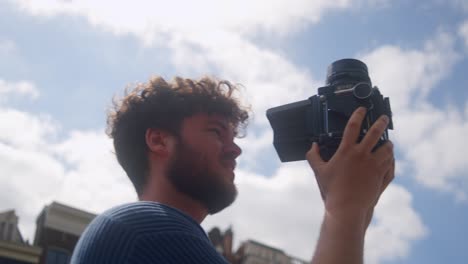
<point x="144" y="232"/>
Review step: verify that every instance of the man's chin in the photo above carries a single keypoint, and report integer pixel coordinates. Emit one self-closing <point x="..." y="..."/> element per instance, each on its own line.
<point x="228" y="173"/>
<point x="224" y="199"/>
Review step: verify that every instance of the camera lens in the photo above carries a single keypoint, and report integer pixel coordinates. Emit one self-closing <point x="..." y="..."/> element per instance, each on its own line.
<point x="362" y="91"/>
<point x="347" y="71"/>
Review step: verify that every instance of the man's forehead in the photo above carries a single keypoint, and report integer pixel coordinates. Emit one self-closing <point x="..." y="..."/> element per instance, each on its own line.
<point x="204" y="120"/>
<point x="214" y="119"/>
<point x="219" y="120"/>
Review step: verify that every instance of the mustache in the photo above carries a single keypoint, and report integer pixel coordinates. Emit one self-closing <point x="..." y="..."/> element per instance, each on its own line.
<point x="228" y="156"/>
<point x="229" y="159"/>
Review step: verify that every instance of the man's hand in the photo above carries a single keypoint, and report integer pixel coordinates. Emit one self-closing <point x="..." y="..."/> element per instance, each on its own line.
<point x="351" y="183"/>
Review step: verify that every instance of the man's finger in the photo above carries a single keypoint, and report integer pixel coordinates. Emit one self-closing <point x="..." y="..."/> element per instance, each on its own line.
<point x="389" y="176"/>
<point x="374" y="133"/>
<point x="314" y="158"/>
<point x="353" y="127"/>
<point x="384" y="152"/>
<point x="316" y="161"/>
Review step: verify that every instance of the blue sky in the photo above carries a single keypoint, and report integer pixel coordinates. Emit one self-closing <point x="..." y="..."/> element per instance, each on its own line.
<point x="61" y="62"/>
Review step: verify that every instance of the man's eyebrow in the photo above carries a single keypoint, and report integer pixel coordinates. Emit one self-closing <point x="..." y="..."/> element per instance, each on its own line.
<point x="218" y="123"/>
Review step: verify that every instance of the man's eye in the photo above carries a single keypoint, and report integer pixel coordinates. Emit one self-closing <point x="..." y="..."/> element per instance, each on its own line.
<point x="216" y="131"/>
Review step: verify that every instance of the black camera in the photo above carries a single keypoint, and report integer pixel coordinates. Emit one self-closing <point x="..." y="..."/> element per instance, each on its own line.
<point x="323" y="117"/>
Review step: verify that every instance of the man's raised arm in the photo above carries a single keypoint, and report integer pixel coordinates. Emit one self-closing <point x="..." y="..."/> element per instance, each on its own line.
<point x="351" y="184"/>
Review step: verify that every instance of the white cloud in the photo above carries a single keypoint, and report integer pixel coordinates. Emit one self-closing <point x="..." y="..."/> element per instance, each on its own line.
<point x="23" y="130"/>
<point x="30" y="179"/>
<point x="94" y="180"/>
<point x="438" y="153"/>
<point x="80" y="171"/>
<point x="208" y="37"/>
<point x="145" y="18"/>
<point x="408" y="76"/>
<point x="431" y="139"/>
<point x="35" y="169"/>
<point x="30" y="175"/>
<point x="253" y="146"/>
<point x="21" y="88"/>
<point x="395" y="227"/>
<point x="270" y="78"/>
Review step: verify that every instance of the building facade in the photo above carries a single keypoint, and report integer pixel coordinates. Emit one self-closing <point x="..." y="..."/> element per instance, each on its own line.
<point x="223" y="243"/>
<point x="250" y="251"/>
<point x="58" y="228"/>
<point x="253" y="252"/>
<point x="13" y="248"/>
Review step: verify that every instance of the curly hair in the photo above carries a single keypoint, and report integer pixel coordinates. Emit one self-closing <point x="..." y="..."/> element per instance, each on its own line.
<point x="164" y="105"/>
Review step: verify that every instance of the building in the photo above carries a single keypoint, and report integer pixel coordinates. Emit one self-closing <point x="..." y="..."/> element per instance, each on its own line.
<point x="253" y="252"/>
<point x="250" y="251"/>
<point x="13" y="248"/>
<point x="223" y="243"/>
<point x="58" y="228"/>
<point x="9" y="230"/>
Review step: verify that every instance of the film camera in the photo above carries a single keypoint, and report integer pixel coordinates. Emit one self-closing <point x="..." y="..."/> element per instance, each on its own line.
<point x="323" y="117"/>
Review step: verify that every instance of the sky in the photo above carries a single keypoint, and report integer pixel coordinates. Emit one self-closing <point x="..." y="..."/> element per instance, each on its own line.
<point x="62" y="62"/>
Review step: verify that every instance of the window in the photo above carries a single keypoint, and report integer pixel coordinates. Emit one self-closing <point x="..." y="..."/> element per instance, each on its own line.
<point x="9" y="232"/>
<point x="57" y="256"/>
<point x="2" y="227"/>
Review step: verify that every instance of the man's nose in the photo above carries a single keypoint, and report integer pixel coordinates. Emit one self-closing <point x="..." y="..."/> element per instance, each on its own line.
<point x="233" y="149"/>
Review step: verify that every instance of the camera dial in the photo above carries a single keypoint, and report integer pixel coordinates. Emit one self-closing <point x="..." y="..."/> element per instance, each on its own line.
<point x="362" y="91"/>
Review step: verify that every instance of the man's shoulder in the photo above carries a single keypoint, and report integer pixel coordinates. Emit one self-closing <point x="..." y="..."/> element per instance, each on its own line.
<point x="127" y="213"/>
<point x="150" y="216"/>
<point x="129" y="227"/>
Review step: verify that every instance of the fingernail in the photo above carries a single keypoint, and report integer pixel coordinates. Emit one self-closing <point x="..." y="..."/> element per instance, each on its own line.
<point x="386" y="119"/>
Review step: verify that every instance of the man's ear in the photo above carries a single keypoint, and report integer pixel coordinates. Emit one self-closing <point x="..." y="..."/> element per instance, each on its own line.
<point x="159" y="141"/>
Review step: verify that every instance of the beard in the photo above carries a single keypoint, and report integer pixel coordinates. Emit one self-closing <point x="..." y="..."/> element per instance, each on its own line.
<point x="190" y="172"/>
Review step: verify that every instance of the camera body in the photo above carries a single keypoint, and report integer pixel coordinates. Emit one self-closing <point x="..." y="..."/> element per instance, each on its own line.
<point x="322" y="118"/>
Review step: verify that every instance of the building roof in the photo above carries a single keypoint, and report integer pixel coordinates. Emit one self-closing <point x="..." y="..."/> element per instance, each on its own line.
<point x="65" y="218"/>
<point x="264" y="246"/>
<point x="9" y="230"/>
<point x="8" y="215"/>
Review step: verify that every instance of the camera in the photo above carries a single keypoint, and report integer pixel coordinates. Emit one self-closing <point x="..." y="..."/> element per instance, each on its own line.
<point x="322" y="118"/>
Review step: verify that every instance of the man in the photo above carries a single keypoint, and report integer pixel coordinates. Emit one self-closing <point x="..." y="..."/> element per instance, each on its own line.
<point x="176" y="143"/>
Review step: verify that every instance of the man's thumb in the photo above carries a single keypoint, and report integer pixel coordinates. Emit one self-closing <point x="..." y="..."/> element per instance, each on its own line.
<point x="313" y="156"/>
